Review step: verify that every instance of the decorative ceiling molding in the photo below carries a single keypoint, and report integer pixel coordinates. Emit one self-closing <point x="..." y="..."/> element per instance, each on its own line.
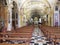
<point x="29" y="1"/>
<point x="44" y="5"/>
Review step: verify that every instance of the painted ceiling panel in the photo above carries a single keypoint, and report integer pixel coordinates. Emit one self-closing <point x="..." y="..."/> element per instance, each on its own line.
<point x="44" y="5"/>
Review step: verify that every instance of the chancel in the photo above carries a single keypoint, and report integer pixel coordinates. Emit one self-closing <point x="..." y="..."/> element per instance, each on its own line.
<point x="29" y="22"/>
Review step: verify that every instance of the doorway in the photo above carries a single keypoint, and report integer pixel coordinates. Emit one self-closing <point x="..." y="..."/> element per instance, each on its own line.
<point x="35" y="16"/>
<point x="14" y="15"/>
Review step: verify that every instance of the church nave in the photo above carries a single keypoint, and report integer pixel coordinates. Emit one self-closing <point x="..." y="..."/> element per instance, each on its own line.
<point x="29" y="22"/>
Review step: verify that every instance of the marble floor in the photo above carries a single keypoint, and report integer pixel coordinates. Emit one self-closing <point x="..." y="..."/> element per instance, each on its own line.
<point x="38" y="37"/>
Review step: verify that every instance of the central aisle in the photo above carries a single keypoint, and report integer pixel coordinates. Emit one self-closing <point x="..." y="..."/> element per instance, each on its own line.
<point x="38" y="37"/>
<point x="37" y="32"/>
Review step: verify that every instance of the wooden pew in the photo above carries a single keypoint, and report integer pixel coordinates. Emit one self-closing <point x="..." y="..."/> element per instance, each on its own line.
<point x="51" y="32"/>
<point x="17" y="35"/>
<point x="24" y="34"/>
<point x="27" y="43"/>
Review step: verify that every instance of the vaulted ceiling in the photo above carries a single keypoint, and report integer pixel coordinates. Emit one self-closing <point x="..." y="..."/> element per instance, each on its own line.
<point x="44" y="6"/>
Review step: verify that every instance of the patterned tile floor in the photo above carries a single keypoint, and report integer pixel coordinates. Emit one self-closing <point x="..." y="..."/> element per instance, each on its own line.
<point x="37" y="37"/>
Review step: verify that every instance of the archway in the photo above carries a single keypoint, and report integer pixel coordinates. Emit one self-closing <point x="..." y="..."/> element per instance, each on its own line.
<point x="34" y="14"/>
<point x="14" y="15"/>
<point x="43" y="7"/>
<point x="37" y="16"/>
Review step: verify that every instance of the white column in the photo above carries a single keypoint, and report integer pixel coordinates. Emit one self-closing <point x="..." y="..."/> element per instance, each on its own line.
<point x="56" y="17"/>
<point x="19" y="21"/>
<point x="59" y="14"/>
<point x="18" y="6"/>
<point x="52" y="19"/>
<point x="9" y="20"/>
